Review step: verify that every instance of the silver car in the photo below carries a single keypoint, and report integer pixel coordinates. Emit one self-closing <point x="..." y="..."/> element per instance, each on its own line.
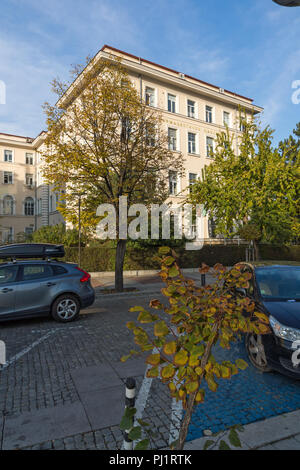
<point x="41" y="287"/>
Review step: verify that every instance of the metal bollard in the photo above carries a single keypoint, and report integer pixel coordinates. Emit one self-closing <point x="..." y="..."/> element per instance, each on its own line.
<point x="203" y="280"/>
<point x="130" y="393"/>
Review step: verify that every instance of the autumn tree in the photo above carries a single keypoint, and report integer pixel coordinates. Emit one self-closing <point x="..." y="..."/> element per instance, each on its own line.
<point x="104" y="142"/>
<point x="254" y="191"/>
<point x="180" y="334"/>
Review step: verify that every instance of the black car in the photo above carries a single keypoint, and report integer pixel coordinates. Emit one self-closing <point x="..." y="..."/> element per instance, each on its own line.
<point x="276" y="292"/>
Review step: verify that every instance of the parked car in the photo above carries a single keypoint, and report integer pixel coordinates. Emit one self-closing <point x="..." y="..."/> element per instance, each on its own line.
<point x="41" y="285"/>
<point x="276" y="292"/>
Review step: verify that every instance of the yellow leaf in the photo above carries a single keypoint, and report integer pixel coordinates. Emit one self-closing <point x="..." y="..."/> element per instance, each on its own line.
<point x="170" y="348"/>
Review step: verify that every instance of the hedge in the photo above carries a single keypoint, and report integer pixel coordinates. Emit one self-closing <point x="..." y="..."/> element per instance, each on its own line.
<point x="103" y="258"/>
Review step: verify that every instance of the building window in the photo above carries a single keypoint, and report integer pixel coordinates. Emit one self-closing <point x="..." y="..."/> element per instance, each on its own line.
<point x="209" y="114"/>
<point x="192" y="180"/>
<point x="29" y="206"/>
<point x="150" y="136"/>
<point x="8" y="177"/>
<point x="226" y="119"/>
<point x="191" y="106"/>
<point x="39" y="206"/>
<point x="8" y="156"/>
<point x="29" y="159"/>
<point x="8" y="205"/>
<point x="173" y="182"/>
<point x="172" y="133"/>
<point x="29" y="179"/>
<point x="212" y="228"/>
<point x="28" y="231"/>
<point x="150" y="96"/>
<point x="171" y="103"/>
<point x="191" y="142"/>
<point x="209" y="147"/>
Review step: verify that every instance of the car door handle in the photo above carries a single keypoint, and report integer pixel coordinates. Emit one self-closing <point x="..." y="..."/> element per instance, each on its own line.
<point x="50" y="284"/>
<point x="6" y="290"/>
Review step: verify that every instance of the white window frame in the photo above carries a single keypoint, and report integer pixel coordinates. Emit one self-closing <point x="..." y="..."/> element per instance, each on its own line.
<point x="32" y="179"/>
<point x="13" y="212"/>
<point x="229" y="118"/>
<point x="177" y="138"/>
<point x="176" y="103"/>
<point x="189" y="183"/>
<point x="177" y="183"/>
<point x="12" y="177"/>
<point x="24" y="203"/>
<point x="195" y="107"/>
<point x="212" y="114"/>
<point x="154" y="105"/>
<point x="206" y="145"/>
<point x="31" y="156"/>
<point x="196" y="143"/>
<point x="12" y="155"/>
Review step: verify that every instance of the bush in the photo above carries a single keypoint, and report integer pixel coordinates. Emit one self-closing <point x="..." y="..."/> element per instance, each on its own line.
<point x="101" y="257"/>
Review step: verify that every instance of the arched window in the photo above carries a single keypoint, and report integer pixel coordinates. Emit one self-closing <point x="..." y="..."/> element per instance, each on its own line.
<point x="8" y="205"/>
<point x="29" y="206"/>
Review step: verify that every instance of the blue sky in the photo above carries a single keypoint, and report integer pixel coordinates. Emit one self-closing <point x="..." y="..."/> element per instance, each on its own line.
<point x="251" y="47"/>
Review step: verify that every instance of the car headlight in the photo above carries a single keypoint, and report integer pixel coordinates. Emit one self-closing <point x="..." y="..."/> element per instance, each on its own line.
<point x="284" y="332"/>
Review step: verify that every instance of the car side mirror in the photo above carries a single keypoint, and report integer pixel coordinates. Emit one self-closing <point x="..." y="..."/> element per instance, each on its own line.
<point x="241" y="291"/>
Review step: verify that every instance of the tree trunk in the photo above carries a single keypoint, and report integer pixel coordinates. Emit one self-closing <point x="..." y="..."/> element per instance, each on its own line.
<point x="191" y="400"/>
<point x="120" y="255"/>
<point x="256" y="251"/>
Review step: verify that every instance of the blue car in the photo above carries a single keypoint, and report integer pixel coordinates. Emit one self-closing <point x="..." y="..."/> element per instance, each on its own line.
<point x="276" y="292"/>
<point x="34" y="283"/>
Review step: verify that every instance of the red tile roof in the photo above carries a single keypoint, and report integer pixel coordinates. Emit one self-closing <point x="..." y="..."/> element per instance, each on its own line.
<point x="173" y="71"/>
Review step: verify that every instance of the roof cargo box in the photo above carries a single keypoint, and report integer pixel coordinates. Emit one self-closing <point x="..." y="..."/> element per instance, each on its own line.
<point x="31" y="250"/>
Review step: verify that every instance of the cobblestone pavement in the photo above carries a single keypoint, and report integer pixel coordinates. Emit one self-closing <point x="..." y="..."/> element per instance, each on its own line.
<point x="43" y="355"/>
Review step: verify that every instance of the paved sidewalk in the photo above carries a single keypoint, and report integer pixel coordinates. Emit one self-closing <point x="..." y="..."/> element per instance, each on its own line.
<point x="142" y="282"/>
<point x="278" y="433"/>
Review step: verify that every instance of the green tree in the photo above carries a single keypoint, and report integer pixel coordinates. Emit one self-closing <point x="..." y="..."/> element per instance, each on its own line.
<point x="255" y="191"/>
<point x="290" y="147"/>
<point x="104" y="141"/>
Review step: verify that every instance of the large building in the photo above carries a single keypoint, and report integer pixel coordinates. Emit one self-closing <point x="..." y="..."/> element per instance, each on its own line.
<point x="194" y="112"/>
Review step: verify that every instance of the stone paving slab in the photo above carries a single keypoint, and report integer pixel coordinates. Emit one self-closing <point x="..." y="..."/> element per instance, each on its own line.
<point x="94" y="378"/>
<point x="43" y="425"/>
<point x="130" y="368"/>
<point x="105" y="407"/>
<point x="271" y="430"/>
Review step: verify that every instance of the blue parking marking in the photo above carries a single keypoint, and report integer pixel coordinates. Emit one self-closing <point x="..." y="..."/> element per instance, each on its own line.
<point x="245" y="398"/>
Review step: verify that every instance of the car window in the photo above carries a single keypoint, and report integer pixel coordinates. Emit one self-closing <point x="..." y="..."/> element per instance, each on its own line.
<point x="8" y="274"/>
<point x="279" y="283"/>
<point x="250" y="289"/>
<point x="58" y="270"/>
<point x="33" y="272"/>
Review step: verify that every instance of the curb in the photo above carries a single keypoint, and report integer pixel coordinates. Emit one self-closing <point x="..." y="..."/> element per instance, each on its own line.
<point x="139" y="273"/>
<point x="260" y="433"/>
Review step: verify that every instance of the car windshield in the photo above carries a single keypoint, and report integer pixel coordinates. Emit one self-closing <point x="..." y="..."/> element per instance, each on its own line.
<point x="279" y="283"/>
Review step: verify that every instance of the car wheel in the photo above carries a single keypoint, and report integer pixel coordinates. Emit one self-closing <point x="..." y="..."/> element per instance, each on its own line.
<point x="66" y="308"/>
<point x="256" y="352"/>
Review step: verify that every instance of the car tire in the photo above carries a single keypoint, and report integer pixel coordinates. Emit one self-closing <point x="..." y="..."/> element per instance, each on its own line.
<point x="66" y="308"/>
<point x="256" y="352"/>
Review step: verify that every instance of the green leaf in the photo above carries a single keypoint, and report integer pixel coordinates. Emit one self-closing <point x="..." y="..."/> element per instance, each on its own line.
<point x="153" y="359"/>
<point x="136" y="309"/>
<point x="152" y="373"/>
<point x="207" y="444"/>
<point x="168" y="372"/>
<point x="125" y="358"/>
<point x="142" y="445"/>
<point x="143" y="423"/>
<point x="161" y="329"/>
<point x="234" y="438"/>
<point x="164" y="250"/>
<point x="173" y="272"/>
<point x="135" y="433"/>
<point x="241" y="364"/>
<point x="146" y="317"/>
<point x="170" y="348"/>
<point x="181" y="358"/>
<point x="224" y="446"/>
<point x="127" y="419"/>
